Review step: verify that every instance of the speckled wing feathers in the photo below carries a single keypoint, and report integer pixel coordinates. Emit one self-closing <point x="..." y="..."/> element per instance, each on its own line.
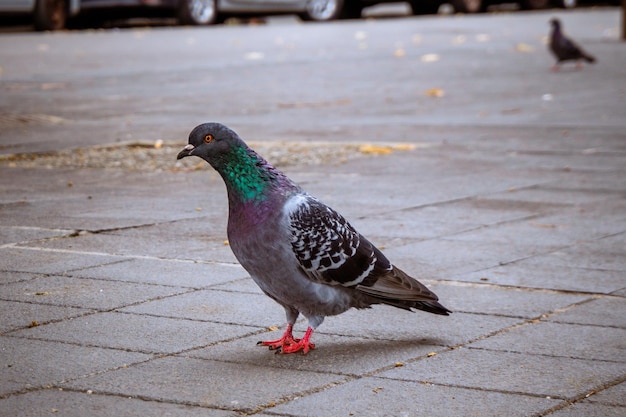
<point x="328" y="248"/>
<point x="331" y="251"/>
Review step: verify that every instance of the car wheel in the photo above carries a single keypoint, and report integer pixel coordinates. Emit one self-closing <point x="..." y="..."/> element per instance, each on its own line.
<point x="323" y="10"/>
<point x="566" y="4"/>
<point x="535" y="4"/>
<point x="425" y="6"/>
<point x="197" y="12"/>
<point x="50" y="14"/>
<point x="468" y="6"/>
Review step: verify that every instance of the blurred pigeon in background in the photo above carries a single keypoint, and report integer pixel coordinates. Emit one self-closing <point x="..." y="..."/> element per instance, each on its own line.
<point x="565" y="49"/>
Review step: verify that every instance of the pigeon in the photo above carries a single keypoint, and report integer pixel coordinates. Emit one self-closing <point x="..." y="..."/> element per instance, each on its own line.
<point x="300" y="252"/>
<point x="565" y="49"/>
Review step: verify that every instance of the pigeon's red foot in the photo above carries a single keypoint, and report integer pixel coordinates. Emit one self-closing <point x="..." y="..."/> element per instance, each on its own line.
<point x="303" y="344"/>
<point x="288" y="344"/>
<point x="286" y="339"/>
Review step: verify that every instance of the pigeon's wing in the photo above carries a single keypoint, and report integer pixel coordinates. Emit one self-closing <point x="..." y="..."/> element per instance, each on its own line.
<point x="331" y="251"/>
<point x="569" y="49"/>
<point x="328" y="248"/>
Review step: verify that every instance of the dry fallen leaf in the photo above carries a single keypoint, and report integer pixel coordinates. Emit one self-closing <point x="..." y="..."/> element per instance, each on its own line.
<point x="253" y="56"/>
<point x="524" y="47"/>
<point x="52" y="86"/>
<point x="431" y="354"/>
<point x="403" y="147"/>
<point x="226" y="243"/>
<point x="435" y="92"/>
<point x="375" y="150"/>
<point x="430" y="58"/>
<point x="360" y="35"/>
<point x="398" y="364"/>
<point x="273" y="328"/>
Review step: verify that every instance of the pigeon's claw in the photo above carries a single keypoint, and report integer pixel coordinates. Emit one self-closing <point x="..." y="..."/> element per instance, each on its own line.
<point x="289" y="344"/>
<point x="286" y="339"/>
<point x="303" y="344"/>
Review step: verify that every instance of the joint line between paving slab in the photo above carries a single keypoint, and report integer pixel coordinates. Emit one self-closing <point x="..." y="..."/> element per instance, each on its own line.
<point x="545" y="355"/>
<point x="124" y="257"/>
<point x="474" y="388"/>
<point x="571" y="401"/>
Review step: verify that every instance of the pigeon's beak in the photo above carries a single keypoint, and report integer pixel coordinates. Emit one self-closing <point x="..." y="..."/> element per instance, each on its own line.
<point x="187" y="150"/>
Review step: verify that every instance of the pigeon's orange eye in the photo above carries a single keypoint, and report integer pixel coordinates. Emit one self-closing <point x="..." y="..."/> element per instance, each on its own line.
<point x="208" y="138"/>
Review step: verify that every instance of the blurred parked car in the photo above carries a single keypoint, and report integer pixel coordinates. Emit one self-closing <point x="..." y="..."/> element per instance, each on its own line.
<point x="55" y="14"/>
<point x="477" y="6"/>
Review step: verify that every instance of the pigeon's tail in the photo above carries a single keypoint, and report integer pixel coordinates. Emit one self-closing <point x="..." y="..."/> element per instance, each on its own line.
<point x="397" y="289"/>
<point x="432" y="307"/>
<point x="589" y="58"/>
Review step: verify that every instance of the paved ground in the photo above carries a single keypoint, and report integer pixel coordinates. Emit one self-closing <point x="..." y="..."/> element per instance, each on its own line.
<point x="119" y="296"/>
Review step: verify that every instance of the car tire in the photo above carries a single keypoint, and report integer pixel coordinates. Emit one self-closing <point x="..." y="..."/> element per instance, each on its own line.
<point x="535" y="4"/>
<point x="197" y="12"/>
<point x="323" y="10"/>
<point x="425" y="6"/>
<point x="50" y="14"/>
<point x="468" y="6"/>
<point x="566" y="4"/>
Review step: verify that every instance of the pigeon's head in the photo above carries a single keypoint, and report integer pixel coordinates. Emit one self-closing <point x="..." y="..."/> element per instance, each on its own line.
<point x="211" y="142"/>
<point x="556" y="23"/>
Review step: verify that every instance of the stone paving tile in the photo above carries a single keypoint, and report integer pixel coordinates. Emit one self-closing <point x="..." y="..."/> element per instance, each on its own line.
<point x="23" y="234"/>
<point x="84" y="292"/>
<point x="508" y="301"/>
<point x="567" y="341"/>
<point x="615" y="395"/>
<point x="334" y="354"/>
<point x="537" y="272"/>
<point x="125" y="244"/>
<point x="510" y="372"/>
<point x="7" y="277"/>
<point x="605" y="254"/>
<point x="605" y="311"/>
<point x="59" y="402"/>
<point x="17" y="315"/>
<point x="217" y="306"/>
<point x="620" y="293"/>
<point x="544" y="233"/>
<point x="441" y="258"/>
<point x="136" y="333"/>
<point x="554" y="192"/>
<point x="20" y="259"/>
<point x="166" y="272"/>
<point x="379" y="396"/>
<point x="93" y="204"/>
<point x="588" y="410"/>
<point x="388" y="323"/>
<point x="206" y="383"/>
<point x="35" y="363"/>
<point x="442" y="219"/>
